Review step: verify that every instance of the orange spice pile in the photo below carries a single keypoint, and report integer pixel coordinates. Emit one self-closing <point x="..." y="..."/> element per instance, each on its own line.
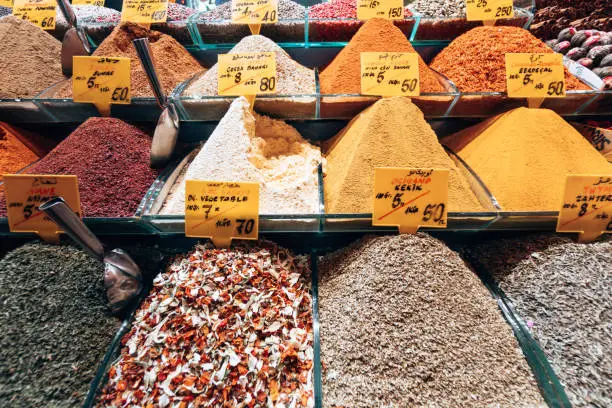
<point x="14" y="154"/>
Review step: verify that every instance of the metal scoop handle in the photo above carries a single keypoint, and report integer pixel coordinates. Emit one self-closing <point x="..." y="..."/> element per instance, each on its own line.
<point x="68" y="12"/>
<point x="71" y="224"/>
<point x="146" y="59"/>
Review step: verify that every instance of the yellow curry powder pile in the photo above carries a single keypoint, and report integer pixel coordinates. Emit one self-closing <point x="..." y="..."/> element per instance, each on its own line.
<point x="475" y="61"/>
<point x="524" y="155"/>
<point x="390" y="133"/>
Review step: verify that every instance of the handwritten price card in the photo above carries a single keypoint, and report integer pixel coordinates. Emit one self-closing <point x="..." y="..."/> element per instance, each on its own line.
<point x="254" y="11"/>
<point x="388" y="9"/>
<point x="41" y="13"/>
<point x="6" y="3"/>
<point x="101" y="80"/>
<point x="250" y="73"/>
<point x="487" y="10"/>
<point x="390" y="74"/>
<point x="221" y="211"/>
<point x="144" y="11"/>
<point x="410" y="198"/>
<point x="535" y="75"/>
<point x="99" y="3"/>
<point x="24" y="193"/>
<point x="587" y="206"/>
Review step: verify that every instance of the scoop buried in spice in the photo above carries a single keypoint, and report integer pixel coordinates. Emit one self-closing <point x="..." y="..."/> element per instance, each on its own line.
<point x="122" y="277"/>
<point x="75" y="39"/>
<point x="167" y="129"/>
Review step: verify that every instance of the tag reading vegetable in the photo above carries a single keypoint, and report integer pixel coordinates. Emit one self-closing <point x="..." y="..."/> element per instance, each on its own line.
<point x="101" y="80"/>
<point x="41" y="13"/>
<point x="144" y="11"/>
<point x="254" y="11"/>
<point x="487" y="10"/>
<point x="25" y="192"/>
<point x="535" y="75"/>
<point x="390" y="74"/>
<point x="221" y="211"/>
<point x="587" y="206"/>
<point x="388" y="9"/>
<point x="250" y="73"/>
<point x="410" y="198"/>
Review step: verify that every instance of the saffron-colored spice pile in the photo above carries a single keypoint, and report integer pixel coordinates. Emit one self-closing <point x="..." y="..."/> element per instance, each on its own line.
<point x="14" y="153"/>
<point x="221" y="328"/>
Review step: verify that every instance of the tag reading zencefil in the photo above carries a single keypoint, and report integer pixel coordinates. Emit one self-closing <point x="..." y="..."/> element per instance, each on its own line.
<point x="41" y="13"/>
<point x="250" y="73"/>
<point x="254" y="11"/>
<point x="388" y="9"/>
<point x="144" y="11"/>
<point x="99" y="3"/>
<point x="101" y="80"/>
<point x="487" y="10"/>
<point x="221" y="210"/>
<point x="587" y="206"/>
<point x="410" y="198"/>
<point x="25" y="192"/>
<point x="390" y="74"/>
<point x="535" y="75"/>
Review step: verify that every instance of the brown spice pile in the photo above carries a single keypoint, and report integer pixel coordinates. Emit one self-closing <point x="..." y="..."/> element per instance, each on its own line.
<point x="476" y="62"/>
<point x="173" y="63"/>
<point x="29" y="59"/>
<point x="404" y="323"/>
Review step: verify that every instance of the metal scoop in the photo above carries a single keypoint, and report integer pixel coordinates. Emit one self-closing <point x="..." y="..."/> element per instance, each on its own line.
<point x="122" y="277"/>
<point x="167" y="129"/>
<point x="75" y="39"/>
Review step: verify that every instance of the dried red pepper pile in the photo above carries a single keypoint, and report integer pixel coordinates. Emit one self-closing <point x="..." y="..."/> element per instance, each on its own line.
<point x="221" y="328"/>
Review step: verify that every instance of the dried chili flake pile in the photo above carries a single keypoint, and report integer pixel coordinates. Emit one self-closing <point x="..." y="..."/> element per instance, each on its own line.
<point x="221" y="328"/>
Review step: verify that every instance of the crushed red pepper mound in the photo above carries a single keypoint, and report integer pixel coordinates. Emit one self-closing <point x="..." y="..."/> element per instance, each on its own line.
<point x="476" y="62"/>
<point x="220" y="328"/>
<point x="111" y="161"/>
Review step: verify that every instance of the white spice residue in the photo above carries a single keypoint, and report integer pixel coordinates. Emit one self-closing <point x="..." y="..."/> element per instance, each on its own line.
<point x="249" y="147"/>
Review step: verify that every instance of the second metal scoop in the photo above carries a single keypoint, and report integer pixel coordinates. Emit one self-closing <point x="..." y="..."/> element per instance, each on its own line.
<point x="75" y="39"/>
<point x="167" y="129"/>
<point x="122" y="277"/>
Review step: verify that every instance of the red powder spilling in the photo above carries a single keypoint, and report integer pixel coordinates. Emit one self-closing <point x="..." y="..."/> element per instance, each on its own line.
<point x="111" y="161"/>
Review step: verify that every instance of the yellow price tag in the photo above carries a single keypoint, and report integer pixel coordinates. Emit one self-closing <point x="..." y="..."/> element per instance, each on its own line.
<point x="6" y="3"/>
<point x="251" y="73"/>
<point x="101" y="80"/>
<point x="410" y="198"/>
<point x="254" y="11"/>
<point x="586" y="206"/>
<point x="144" y="11"/>
<point x="388" y="9"/>
<point x="221" y="211"/>
<point x="99" y="3"/>
<point x="487" y="10"/>
<point x="41" y="13"/>
<point x="25" y="192"/>
<point x="535" y="75"/>
<point x="390" y="74"/>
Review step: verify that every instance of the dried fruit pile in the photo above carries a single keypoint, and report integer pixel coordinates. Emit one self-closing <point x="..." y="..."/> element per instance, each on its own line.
<point x="221" y="328"/>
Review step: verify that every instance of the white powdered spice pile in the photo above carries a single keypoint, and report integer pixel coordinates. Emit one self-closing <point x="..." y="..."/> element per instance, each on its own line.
<point x="249" y="147"/>
<point x="562" y="291"/>
<point x="405" y="323"/>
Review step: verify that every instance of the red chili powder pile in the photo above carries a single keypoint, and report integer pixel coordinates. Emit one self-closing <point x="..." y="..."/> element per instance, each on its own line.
<point x="110" y="159"/>
<point x="475" y="61"/>
<point x="343" y="74"/>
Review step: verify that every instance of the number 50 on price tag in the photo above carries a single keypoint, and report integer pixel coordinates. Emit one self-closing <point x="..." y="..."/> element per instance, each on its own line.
<point x="535" y="75"/>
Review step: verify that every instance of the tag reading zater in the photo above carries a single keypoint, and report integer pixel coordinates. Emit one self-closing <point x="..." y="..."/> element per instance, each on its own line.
<point x="101" y="80"/>
<point x="587" y="206"/>
<point x="410" y="198"/>
<point x="254" y="11"/>
<point x="535" y="75"/>
<point x="388" y="9"/>
<point x="487" y="10"/>
<point x="221" y="210"/>
<point x="25" y="192"/>
<point x="250" y="73"/>
<point x="390" y="74"/>
<point x="41" y="13"/>
<point x="144" y="11"/>
<point x="99" y="3"/>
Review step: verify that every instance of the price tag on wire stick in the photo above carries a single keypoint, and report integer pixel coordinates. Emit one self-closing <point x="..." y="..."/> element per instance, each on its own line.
<point x="388" y="9"/>
<point x="488" y="10"/>
<point x="535" y="75"/>
<point x="586" y="206"/>
<point x="144" y="11"/>
<point x="254" y="11"/>
<point x="25" y="192"/>
<point x="41" y="13"/>
<point x="250" y="73"/>
<point x="99" y="3"/>
<point x="221" y="210"/>
<point x="390" y="74"/>
<point x="410" y="198"/>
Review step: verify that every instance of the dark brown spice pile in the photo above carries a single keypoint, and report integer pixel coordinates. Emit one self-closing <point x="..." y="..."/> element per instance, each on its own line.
<point x="552" y="16"/>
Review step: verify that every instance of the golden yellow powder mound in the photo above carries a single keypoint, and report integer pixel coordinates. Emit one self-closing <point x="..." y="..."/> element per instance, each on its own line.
<point x="390" y="133"/>
<point x="524" y="155"/>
